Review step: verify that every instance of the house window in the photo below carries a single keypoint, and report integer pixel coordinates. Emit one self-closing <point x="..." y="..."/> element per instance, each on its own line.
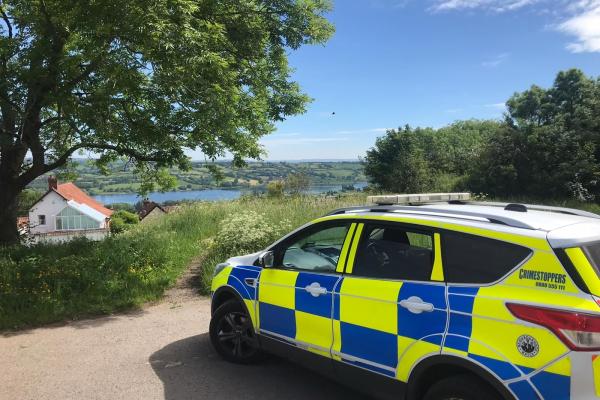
<point x="70" y="219"/>
<point x="41" y="220"/>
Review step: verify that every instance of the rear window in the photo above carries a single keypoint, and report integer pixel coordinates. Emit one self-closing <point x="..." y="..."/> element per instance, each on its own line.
<point x="475" y="259"/>
<point x="592" y="251"/>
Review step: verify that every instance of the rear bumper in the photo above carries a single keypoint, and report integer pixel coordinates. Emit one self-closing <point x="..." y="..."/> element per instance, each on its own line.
<point x="585" y="375"/>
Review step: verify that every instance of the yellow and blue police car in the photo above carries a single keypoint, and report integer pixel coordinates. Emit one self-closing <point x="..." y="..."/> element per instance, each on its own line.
<point x="428" y="296"/>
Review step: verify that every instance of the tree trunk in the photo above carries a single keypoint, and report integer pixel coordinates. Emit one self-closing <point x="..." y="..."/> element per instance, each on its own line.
<point x="9" y="233"/>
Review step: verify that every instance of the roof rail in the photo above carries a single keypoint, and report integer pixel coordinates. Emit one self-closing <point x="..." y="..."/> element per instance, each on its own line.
<point x="494" y="219"/>
<point x="539" y="207"/>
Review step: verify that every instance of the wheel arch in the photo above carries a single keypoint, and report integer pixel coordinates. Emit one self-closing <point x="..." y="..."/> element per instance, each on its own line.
<point x="434" y="368"/>
<point x="224" y="294"/>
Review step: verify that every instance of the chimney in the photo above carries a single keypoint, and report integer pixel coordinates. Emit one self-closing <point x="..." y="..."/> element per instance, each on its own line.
<point x="52" y="182"/>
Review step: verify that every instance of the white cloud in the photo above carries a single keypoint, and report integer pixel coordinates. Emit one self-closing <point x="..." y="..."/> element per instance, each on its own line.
<point x="286" y="134"/>
<point x="496" y="60"/>
<point x="497" y="106"/>
<point x="372" y="130"/>
<point x="295" y="138"/>
<point x="388" y="3"/>
<point x="488" y="5"/>
<point x="582" y="20"/>
<point x="584" y="25"/>
<point x="304" y="140"/>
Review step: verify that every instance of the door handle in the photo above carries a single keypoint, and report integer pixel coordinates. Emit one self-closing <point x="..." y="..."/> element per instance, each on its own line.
<point x="416" y="305"/>
<point x="315" y="289"/>
<point x="250" y="282"/>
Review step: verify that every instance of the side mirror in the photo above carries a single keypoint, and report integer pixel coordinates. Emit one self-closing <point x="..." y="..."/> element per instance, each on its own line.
<point x="266" y="259"/>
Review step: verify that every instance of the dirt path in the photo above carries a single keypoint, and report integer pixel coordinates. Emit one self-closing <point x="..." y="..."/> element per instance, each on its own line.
<point x="159" y="352"/>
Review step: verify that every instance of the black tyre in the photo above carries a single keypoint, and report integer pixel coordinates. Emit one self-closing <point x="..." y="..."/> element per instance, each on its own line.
<point x="232" y="334"/>
<point x="461" y="387"/>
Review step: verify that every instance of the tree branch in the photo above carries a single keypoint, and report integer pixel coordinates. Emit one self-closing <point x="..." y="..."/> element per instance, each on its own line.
<point x="7" y="22"/>
<point x="84" y="74"/>
<point x="124" y="151"/>
<point x="262" y="11"/>
<point x="7" y="133"/>
<point x="50" y="120"/>
<point x="9" y="102"/>
<point x="37" y="170"/>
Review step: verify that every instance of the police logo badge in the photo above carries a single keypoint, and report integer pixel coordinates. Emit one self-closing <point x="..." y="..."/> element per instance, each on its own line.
<point x="528" y="346"/>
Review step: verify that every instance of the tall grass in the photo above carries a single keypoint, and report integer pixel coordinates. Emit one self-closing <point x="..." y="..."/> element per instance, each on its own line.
<point x="47" y="283"/>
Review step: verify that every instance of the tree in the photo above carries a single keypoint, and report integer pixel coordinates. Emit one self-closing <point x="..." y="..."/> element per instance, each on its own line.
<point x="275" y="189"/>
<point x="427" y="159"/>
<point x="549" y="145"/>
<point x="27" y="198"/>
<point x="455" y="147"/>
<point x="297" y="183"/>
<point x="122" y="220"/>
<point x="122" y="206"/>
<point x="143" y="80"/>
<point x="397" y="163"/>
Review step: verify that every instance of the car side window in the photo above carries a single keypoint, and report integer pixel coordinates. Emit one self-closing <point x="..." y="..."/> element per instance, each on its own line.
<point x="391" y="251"/>
<point x="316" y="249"/>
<point x="476" y="259"/>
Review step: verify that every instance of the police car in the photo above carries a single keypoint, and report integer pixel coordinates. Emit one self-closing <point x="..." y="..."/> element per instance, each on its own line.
<point x="427" y="296"/>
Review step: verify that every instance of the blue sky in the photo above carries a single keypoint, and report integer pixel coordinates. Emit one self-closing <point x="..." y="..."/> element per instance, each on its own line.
<point x="428" y="63"/>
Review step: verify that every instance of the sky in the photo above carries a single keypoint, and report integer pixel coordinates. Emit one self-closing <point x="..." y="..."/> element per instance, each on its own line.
<point x="428" y="63"/>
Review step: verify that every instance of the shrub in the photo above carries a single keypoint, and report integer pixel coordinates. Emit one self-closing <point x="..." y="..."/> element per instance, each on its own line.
<point x="52" y="282"/>
<point x="248" y="231"/>
<point x="275" y="189"/>
<point x="297" y="183"/>
<point x="122" y="220"/>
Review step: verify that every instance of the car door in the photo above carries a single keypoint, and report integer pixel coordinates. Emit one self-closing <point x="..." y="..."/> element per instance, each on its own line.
<point x="295" y="295"/>
<point x="390" y="309"/>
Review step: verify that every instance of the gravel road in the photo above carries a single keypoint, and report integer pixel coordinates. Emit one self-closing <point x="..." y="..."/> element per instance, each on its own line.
<point x="159" y="352"/>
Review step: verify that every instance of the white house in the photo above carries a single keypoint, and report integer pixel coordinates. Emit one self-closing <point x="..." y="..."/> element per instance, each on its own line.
<point x="65" y="212"/>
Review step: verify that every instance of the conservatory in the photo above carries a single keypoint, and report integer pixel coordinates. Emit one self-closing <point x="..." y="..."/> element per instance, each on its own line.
<point x="77" y="216"/>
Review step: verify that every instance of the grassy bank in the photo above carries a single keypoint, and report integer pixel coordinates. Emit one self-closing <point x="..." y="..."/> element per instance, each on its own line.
<point x="47" y="283"/>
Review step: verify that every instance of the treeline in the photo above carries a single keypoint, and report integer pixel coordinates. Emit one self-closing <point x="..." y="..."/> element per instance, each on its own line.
<point x="546" y="146"/>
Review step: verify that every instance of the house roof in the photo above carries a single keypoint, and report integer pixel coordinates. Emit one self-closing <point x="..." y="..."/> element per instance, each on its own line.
<point x="169" y="209"/>
<point x="148" y="206"/>
<point x="87" y="210"/>
<point x="22" y="222"/>
<point x="71" y="192"/>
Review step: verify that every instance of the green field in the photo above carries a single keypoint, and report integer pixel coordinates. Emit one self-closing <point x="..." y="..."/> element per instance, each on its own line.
<point x="254" y="175"/>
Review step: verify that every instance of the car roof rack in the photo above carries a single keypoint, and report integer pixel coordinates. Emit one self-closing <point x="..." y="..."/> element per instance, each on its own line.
<point x="465" y="198"/>
<point x="413" y="204"/>
<point x="495" y="219"/>
<point x="536" y="207"/>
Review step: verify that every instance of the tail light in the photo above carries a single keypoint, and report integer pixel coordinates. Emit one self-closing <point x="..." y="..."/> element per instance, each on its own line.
<point x="578" y="331"/>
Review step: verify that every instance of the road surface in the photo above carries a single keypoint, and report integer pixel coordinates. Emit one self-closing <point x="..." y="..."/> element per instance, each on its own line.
<point x="159" y="352"/>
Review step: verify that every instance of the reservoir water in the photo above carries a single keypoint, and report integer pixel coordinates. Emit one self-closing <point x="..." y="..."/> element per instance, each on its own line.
<point x="205" y="195"/>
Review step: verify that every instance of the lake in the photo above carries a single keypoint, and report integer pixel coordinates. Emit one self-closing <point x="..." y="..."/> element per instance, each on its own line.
<point x="204" y="195"/>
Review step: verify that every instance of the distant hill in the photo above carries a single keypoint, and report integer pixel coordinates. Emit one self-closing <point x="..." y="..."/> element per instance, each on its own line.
<point x="254" y="175"/>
